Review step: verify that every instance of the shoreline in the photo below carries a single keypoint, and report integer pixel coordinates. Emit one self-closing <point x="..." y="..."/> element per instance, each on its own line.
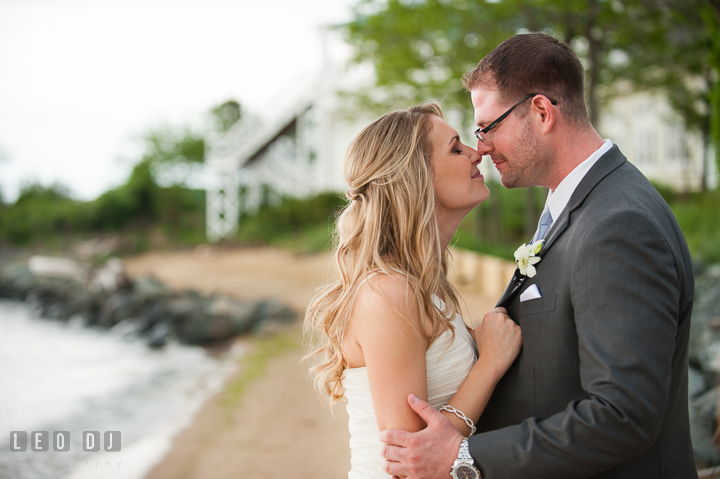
<point x="261" y="425"/>
<point x="276" y="423"/>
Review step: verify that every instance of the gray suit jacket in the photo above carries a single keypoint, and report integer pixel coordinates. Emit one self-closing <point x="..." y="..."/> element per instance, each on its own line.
<point x="600" y="386"/>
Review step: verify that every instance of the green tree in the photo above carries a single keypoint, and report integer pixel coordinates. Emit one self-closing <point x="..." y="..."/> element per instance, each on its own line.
<point x="4" y="156"/>
<point x="711" y="15"/>
<point x="226" y="115"/>
<point x="173" y="145"/>
<point x="41" y="212"/>
<point x="174" y="153"/>
<point x="136" y="201"/>
<point x="669" y="49"/>
<point x="420" y="49"/>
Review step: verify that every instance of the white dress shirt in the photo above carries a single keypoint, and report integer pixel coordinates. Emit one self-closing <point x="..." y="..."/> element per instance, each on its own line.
<point x="558" y="198"/>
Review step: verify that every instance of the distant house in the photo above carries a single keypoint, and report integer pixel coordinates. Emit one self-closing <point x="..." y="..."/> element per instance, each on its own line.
<point x="652" y="137"/>
<point x="297" y="153"/>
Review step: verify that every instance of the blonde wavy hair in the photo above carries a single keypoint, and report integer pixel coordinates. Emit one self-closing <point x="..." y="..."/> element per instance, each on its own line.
<point x="389" y="226"/>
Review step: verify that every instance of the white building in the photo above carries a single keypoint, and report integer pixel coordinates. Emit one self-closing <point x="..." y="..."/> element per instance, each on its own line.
<point x="297" y="152"/>
<point x="651" y="135"/>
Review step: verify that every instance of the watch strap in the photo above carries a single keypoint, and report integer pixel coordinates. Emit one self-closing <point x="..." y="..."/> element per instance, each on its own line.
<point x="465" y="460"/>
<point x="464" y="453"/>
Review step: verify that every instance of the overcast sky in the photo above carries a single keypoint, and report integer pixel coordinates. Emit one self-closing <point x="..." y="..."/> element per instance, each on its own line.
<point x="80" y="80"/>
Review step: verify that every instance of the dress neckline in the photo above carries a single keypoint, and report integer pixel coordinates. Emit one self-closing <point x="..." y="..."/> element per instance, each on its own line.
<point x="456" y="323"/>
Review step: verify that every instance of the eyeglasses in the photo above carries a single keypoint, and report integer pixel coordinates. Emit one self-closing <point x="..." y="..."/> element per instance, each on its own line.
<point x="482" y="133"/>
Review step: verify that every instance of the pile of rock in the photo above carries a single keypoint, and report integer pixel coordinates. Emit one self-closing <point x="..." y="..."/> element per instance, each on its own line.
<point x="104" y="297"/>
<point x="705" y="365"/>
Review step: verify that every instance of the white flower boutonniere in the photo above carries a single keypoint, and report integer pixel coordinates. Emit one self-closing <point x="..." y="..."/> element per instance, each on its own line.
<point x="527" y="257"/>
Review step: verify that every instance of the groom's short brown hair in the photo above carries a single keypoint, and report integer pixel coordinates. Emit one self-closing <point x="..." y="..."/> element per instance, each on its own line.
<point x="534" y="63"/>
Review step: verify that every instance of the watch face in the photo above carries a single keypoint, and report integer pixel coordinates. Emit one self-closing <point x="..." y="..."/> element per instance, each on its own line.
<point x="465" y="472"/>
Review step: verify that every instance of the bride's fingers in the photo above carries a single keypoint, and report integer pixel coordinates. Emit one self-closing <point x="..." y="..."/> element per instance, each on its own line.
<point x="498" y="310"/>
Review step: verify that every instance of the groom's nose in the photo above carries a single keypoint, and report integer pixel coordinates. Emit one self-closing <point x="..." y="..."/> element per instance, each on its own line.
<point x="484" y="148"/>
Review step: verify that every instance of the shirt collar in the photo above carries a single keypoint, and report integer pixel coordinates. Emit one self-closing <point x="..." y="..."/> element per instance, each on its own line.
<point x="558" y="198"/>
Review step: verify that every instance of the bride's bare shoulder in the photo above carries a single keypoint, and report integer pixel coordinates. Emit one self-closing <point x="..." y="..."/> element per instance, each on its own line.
<point x="385" y="317"/>
<point x="386" y="301"/>
<point x="382" y="290"/>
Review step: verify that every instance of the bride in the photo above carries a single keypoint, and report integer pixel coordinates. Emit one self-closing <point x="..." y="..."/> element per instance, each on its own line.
<point x="389" y="325"/>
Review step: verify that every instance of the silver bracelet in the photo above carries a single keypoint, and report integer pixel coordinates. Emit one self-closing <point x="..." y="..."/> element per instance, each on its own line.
<point x="469" y="422"/>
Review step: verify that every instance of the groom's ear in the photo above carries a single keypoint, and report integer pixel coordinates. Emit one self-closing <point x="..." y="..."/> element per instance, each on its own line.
<point x="544" y="113"/>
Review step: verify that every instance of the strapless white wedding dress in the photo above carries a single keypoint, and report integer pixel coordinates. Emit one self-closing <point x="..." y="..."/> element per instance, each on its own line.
<point x="448" y="363"/>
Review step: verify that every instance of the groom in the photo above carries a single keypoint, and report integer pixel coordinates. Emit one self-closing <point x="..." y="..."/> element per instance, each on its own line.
<point x="600" y="387"/>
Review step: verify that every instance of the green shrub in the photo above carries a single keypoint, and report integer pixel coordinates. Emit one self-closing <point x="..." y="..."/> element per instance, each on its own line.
<point x="303" y="224"/>
<point x="49" y="216"/>
<point x="40" y="212"/>
<point x="698" y="215"/>
<point x="498" y="226"/>
<point x="136" y="200"/>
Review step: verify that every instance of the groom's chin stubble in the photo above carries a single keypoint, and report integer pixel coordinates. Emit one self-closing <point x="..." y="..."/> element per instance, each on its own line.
<point x="507" y="179"/>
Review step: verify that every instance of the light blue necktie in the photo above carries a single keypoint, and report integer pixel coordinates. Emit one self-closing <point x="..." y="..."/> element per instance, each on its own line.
<point x="545" y="221"/>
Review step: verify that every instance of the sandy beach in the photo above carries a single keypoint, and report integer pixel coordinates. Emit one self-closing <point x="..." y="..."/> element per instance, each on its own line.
<point x="268" y="421"/>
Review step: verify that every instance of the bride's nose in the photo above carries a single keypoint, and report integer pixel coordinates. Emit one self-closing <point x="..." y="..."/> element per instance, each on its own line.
<point x="474" y="156"/>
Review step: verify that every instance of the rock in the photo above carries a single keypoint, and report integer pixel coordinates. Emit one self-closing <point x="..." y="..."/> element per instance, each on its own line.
<point x="704" y="335"/>
<point x="52" y="296"/>
<point x="127" y="328"/>
<point x="696" y="383"/>
<point x="149" y="287"/>
<point x="49" y="266"/>
<point x="201" y="328"/>
<point x="189" y="319"/>
<point x="16" y="282"/>
<point x="273" y="317"/>
<point x="242" y="314"/>
<point x="142" y="307"/>
<point x="158" y="336"/>
<point x="183" y="307"/>
<point x="153" y="311"/>
<point x="703" y="411"/>
<point x="199" y="320"/>
<point x="116" y="307"/>
<point x="84" y="304"/>
<point x="706" y="405"/>
<point x="110" y="277"/>
<point x="102" y="247"/>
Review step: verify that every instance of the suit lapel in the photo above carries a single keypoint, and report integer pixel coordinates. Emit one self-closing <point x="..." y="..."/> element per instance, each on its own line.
<point x="514" y="285"/>
<point x="607" y="163"/>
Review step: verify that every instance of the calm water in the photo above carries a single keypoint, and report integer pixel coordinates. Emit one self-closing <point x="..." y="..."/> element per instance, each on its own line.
<point x="65" y="377"/>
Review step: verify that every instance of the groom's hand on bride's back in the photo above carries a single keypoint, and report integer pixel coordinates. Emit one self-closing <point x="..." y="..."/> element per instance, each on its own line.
<point x="426" y="454"/>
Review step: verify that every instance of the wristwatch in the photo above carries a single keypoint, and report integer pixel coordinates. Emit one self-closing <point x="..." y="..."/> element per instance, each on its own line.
<point x="464" y="465"/>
